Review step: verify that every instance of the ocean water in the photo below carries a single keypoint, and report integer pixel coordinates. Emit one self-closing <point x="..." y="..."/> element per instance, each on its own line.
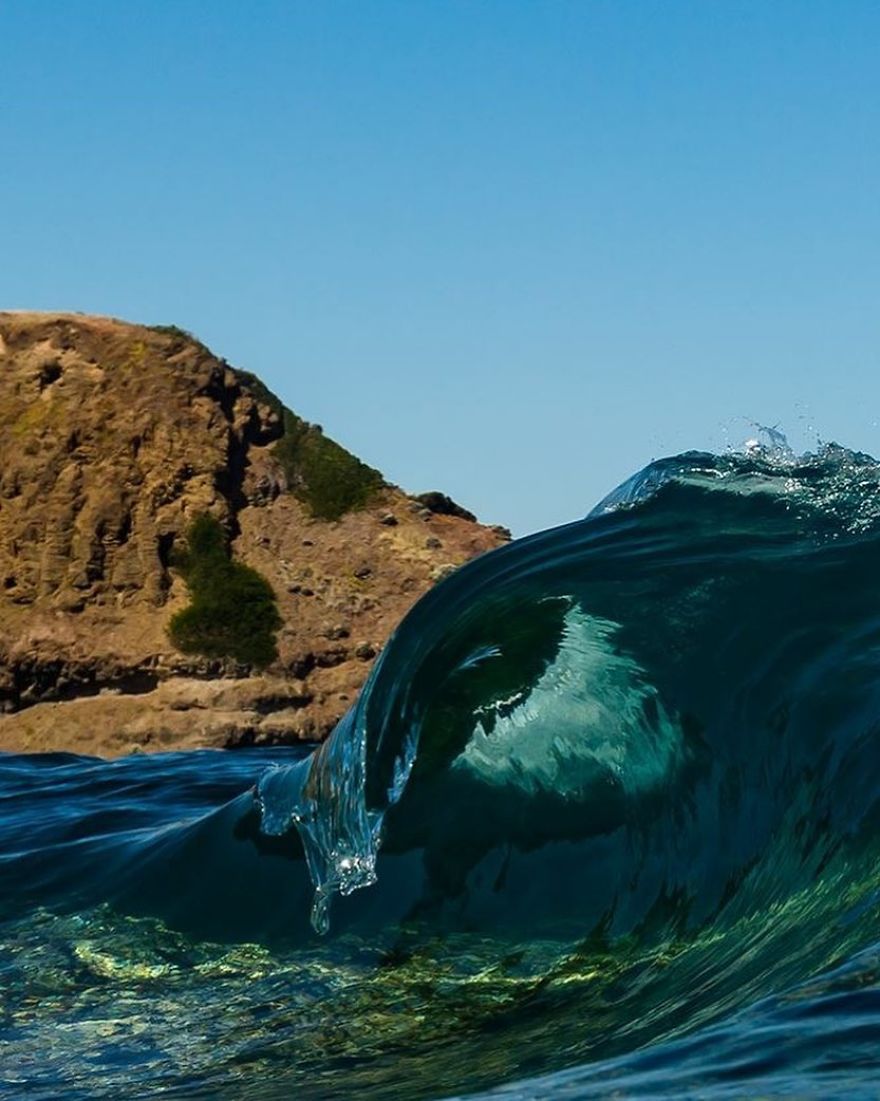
<point x="604" y="821"/>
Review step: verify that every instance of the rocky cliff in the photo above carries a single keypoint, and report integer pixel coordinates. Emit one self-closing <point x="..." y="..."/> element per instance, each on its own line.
<point x="114" y="439"/>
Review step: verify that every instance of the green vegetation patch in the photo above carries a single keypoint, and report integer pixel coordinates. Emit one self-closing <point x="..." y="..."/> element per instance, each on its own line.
<point x="233" y="611"/>
<point x="175" y="331"/>
<point x="180" y="338"/>
<point x="329" y="480"/>
<point x="326" y="477"/>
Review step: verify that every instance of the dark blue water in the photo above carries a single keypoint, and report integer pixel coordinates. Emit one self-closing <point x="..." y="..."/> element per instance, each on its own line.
<point x="605" y="821"/>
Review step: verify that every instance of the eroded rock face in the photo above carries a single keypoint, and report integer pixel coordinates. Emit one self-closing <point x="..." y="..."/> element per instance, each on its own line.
<point x="113" y="437"/>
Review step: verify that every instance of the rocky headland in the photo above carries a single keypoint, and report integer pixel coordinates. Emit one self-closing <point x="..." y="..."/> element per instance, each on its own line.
<point x="116" y="441"/>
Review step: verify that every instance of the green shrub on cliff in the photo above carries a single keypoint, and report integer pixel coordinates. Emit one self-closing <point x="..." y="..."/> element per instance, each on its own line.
<point x="329" y="480"/>
<point x="233" y="611"/>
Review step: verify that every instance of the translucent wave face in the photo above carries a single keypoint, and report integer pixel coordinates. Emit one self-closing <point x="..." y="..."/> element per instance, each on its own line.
<point x="588" y="713"/>
<point x="555" y="668"/>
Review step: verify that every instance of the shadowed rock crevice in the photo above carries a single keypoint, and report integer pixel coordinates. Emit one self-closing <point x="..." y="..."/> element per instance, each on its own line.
<point x="33" y="682"/>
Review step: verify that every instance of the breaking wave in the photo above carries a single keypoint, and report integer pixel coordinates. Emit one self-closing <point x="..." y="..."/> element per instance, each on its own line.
<point x="607" y="786"/>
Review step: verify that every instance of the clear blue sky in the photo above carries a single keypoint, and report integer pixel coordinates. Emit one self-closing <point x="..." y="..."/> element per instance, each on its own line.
<point x="512" y="250"/>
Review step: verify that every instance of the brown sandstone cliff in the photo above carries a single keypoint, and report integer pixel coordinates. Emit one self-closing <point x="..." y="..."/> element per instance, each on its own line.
<point x="113" y="437"/>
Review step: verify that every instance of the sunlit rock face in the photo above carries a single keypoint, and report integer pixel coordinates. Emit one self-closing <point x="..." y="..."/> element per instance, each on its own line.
<point x="113" y="437"/>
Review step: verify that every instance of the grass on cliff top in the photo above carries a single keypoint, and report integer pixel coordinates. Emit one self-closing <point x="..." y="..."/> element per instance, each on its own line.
<point x="329" y="480"/>
<point x="233" y="611"/>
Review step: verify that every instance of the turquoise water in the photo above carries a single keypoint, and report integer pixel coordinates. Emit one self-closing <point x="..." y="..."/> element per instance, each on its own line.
<point x="605" y="820"/>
